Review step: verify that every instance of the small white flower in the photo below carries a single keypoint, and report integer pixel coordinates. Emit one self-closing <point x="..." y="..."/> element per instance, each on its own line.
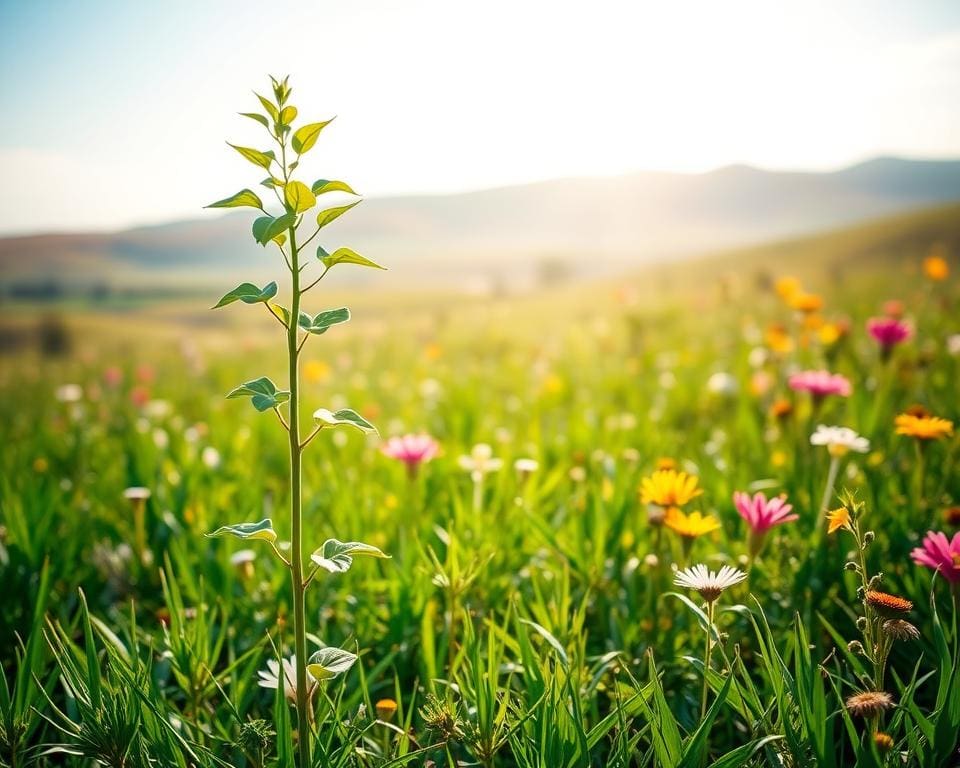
<point x="161" y="439"/>
<point x="526" y="466"/>
<point x="722" y="384"/>
<point x="136" y="493"/>
<point x="270" y="677"/>
<point x="210" y="457"/>
<point x="953" y="344"/>
<point x="69" y="393"/>
<point x="710" y="585"/>
<point x="839" y="440"/>
<point x="480" y="462"/>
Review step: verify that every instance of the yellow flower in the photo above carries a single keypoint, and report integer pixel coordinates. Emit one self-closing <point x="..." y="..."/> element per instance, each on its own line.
<point x="805" y="302"/>
<point x="838" y="518"/>
<point x="829" y="334"/>
<point x="923" y="427"/>
<point x="316" y="371"/>
<point x="669" y="488"/>
<point x="787" y="286"/>
<point x="690" y="526"/>
<point x="935" y="266"/>
<point x="778" y="339"/>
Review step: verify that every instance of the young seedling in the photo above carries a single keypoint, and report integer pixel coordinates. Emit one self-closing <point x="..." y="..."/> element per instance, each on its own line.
<point x="297" y="202"/>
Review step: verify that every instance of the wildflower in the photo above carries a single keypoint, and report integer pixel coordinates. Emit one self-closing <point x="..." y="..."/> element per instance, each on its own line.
<point x="136" y="494"/>
<point x="778" y="339"/>
<point x="869" y="703"/>
<point x="940" y="554"/>
<point x="884" y="741"/>
<point x="900" y="629"/>
<point x="210" y="457"/>
<point x="480" y="461"/>
<point x="242" y="560"/>
<point x="923" y="426"/>
<point x="936" y="267"/>
<point x="526" y="467"/>
<point x="270" y="677"/>
<point x="762" y="515"/>
<point x="820" y="383"/>
<point x="953" y="344"/>
<point x="781" y="408"/>
<point x="888" y="332"/>
<point x="893" y="308"/>
<point x="669" y="488"/>
<point x="690" y="526"/>
<point x="805" y="302"/>
<point x="665" y="462"/>
<point x="787" y="286"/>
<point x="951" y="516"/>
<point x="886" y="604"/>
<point x="839" y="440"/>
<point x="69" y="393"/>
<point x="838" y="518"/>
<point x="710" y="585"/>
<point x="412" y="450"/>
<point x="386" y="709"/>
<point x="722" y="384"/>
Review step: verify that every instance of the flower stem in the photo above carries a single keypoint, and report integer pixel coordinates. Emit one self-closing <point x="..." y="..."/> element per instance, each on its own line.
<point x="706" y="661"/>
<point x="296" y="554"/>
<point x="828" y="490"/>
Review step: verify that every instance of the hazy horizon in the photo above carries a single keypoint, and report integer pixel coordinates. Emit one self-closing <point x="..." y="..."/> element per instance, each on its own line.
<point x="129" y="105"/>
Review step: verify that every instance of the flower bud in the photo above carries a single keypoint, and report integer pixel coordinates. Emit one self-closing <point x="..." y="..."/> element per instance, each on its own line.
<point x="875" y="581"/>
<point x="851" y="566"/>
<point x="868" y="538"/>
<point x="862" y="623"/>
<point x="855" y="646"/>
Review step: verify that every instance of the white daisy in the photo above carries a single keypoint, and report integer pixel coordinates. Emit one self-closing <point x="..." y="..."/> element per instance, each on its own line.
<point x="270" y="677"/>
<point x="710" y="585"/>
<point x="480" y="461"/>
<point x="839" y="440"/>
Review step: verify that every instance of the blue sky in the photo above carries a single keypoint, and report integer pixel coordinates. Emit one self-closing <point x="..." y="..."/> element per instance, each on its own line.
<point x="115" y="113"/>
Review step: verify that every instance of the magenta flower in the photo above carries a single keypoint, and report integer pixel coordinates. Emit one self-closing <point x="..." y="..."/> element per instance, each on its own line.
<point x="412" y="450"/>
<point x="761" y="515"/>
<point x="940" y="554"/>
<point x="888" y="332"/>
<point x="820" y="383"/>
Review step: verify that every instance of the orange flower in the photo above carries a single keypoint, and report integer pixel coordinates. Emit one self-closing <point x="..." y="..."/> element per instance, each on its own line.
<point x="923" y="427"/>
<point x="778" y="339"/>
<point x="886" y="604"/>
<point x="805" y="302"/>
<point x="935" y="266"/>
<point x="787" y="286"/>
<point x="838" y="518"/>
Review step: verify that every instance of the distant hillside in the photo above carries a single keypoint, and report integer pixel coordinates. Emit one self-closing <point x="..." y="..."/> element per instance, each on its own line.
<point x="507" y="235"/>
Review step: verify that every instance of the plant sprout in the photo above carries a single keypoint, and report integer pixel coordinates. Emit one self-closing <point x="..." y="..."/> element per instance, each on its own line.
<point x="296" y="201"/>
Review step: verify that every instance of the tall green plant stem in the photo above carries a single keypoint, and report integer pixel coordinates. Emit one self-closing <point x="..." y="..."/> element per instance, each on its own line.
<point x="296" y="516"/>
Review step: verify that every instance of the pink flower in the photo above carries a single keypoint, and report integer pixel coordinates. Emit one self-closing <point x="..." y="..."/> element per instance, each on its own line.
<point x="412" y="450"/>
<point x="820" y="383"/>
<point x="762" y="515"/>
<point x="940" y="553"/>
<point x="888" y="331"/>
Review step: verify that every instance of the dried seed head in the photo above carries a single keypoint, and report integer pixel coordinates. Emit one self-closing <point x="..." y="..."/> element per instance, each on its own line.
<point x="869" y="703"/>
<point x="884" y="741"/>
<point x="855" y="646"/>
<point x="899" y="629"/>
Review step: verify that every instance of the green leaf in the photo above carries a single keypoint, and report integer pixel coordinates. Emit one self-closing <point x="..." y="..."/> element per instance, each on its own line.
<point x="243" y="198"/>
<point x="248" y="293"/>
<point x="272" y="182"/>
<point x="255" y="156"/>
<point x="337" y="556"/>
<point x="281" y="312"/>
<point x="288" y="115"/>
<point x="269" y="106"/>
<point x="323" y="320"/>
<point x="328" y="663"/>
<point x="262" y="530"/>
<point x="551" y="640"/>
<point x="299" y="197"/>
<point x="306" y="136"/>
<point x="259" y="118"/>
<point x="345" y="256"/>
<point x="322" y="186"/>
<point x="330" y="214"/>
<point x="267" y="228"/>
<point x="264" y="393"/>
<point x="344" y="416"/>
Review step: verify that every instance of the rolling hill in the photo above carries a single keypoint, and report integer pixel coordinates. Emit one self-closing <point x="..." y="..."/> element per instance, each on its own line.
<point x="508" y="236"/>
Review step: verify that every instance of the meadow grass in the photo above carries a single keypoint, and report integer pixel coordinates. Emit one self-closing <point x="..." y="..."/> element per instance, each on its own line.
<point x="528" y="616"/>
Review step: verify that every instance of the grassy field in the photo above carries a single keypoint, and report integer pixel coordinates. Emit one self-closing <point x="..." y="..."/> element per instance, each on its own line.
<point x="528" y="615"/>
